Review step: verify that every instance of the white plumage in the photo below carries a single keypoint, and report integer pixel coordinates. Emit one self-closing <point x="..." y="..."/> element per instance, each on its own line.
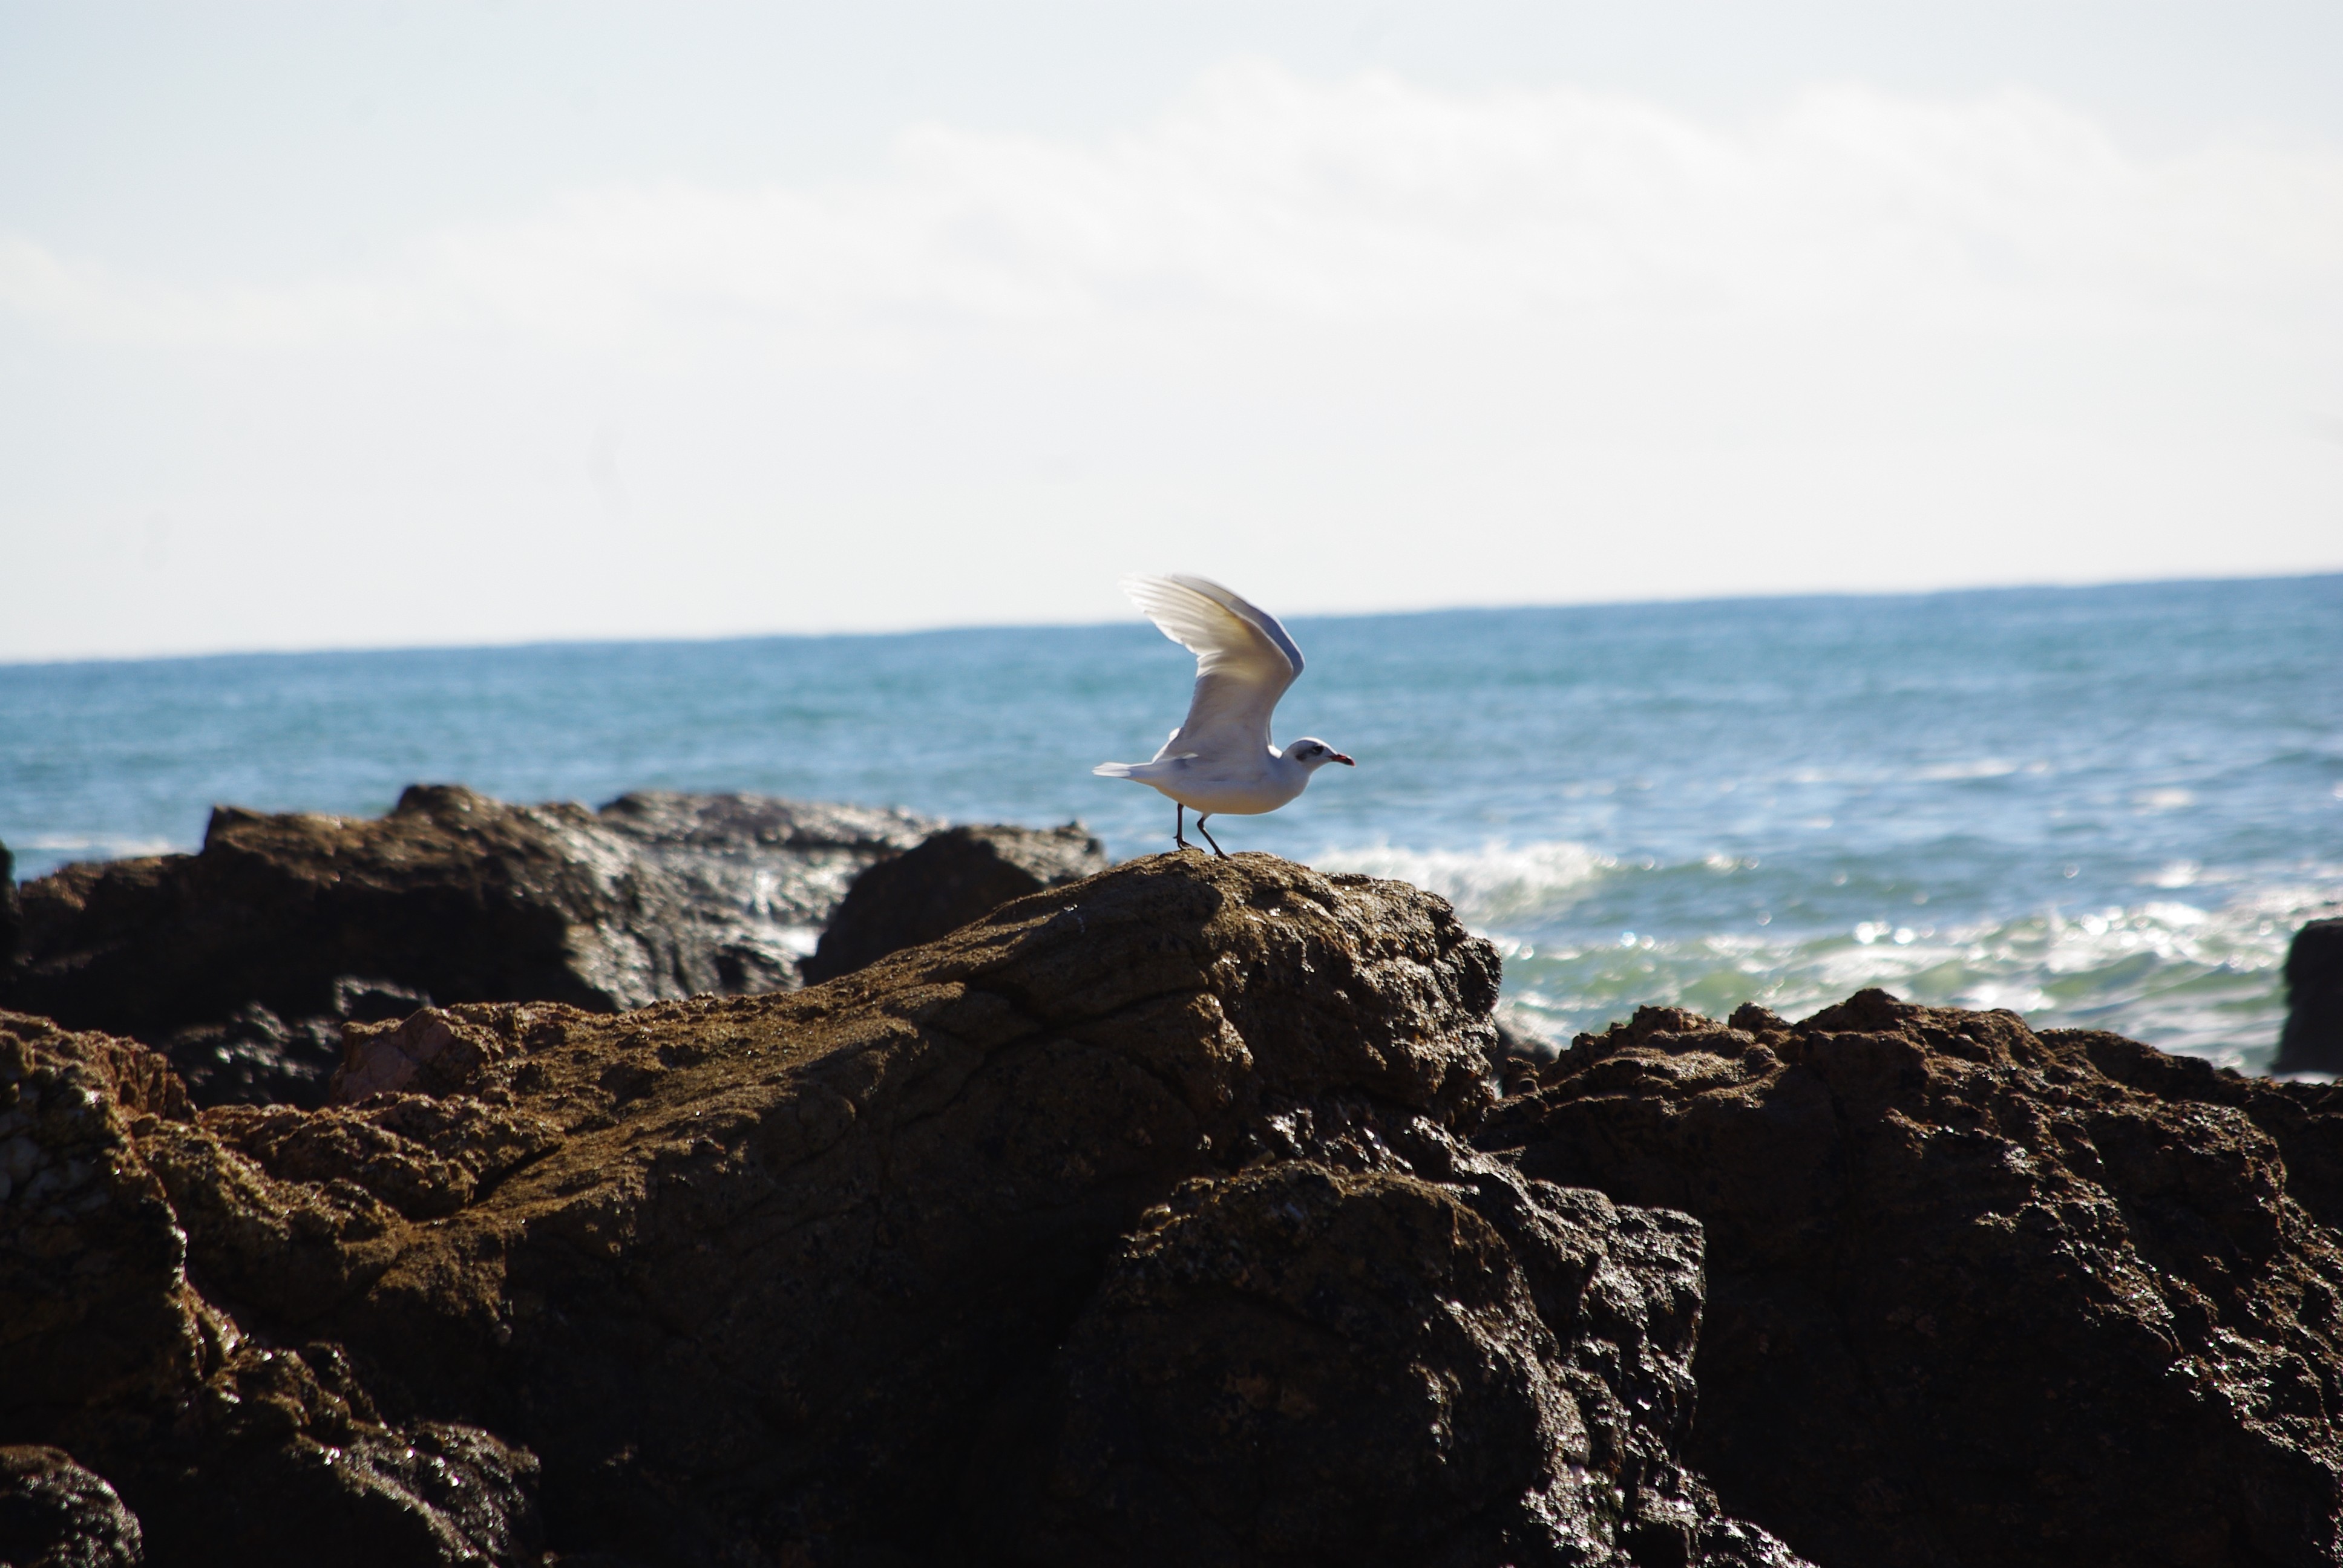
<point x="1221" y="758"/>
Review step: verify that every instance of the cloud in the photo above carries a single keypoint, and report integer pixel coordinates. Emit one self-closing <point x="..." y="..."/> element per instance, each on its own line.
<point x="1261" y="196"/>
<point x="1355" y="344"/>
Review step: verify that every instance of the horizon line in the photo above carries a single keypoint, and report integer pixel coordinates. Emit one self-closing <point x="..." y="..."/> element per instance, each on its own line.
<point x="945" y="628"/>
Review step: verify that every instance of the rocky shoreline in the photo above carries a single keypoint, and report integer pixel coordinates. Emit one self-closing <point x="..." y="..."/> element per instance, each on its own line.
<point x="1184" y="1211"/>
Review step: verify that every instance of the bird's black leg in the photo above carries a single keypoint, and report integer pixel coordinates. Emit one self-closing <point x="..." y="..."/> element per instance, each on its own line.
<point x="1180" y="824"/>
<point x="1207" y="833"/>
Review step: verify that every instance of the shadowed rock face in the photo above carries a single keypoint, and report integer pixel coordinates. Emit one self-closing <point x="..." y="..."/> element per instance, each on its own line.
<point x="1432" y="1363"/>
<point x="1129" y="1220"/>
<point x="1981" y="1296"/>
<point x="242" y="961"/>
<point x="952" y="878"/>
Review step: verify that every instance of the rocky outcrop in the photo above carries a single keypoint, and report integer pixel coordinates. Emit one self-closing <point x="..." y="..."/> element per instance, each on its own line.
<point x="955" y="876"/>
<point x="2312" y="1041"/>
<point x="245" y="960"/>
<point x="1129" y="1223"/>
<point x="226" y="1449"/>
<point x="1979" y="1295"/>
<point x="1172" y="1216"/>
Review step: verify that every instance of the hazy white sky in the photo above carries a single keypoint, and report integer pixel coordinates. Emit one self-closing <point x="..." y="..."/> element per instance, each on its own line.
<point x="438" y="323"/>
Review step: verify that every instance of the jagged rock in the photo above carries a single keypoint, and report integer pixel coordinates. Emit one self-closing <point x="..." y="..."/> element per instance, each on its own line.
<point x="1978" y="1295"/>
<point x="55" y="1514"/>
<point x="820" y="1277"/>
<point x="229" y="1450"/>
<point x="242" y="959"/>
<point x="954" y="877"/>
<point x="1229" y="1395"/>
<point x="2312" y="1041"/>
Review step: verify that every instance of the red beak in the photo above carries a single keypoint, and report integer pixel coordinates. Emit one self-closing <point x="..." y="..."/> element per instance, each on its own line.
<point x="1344" y="761"/>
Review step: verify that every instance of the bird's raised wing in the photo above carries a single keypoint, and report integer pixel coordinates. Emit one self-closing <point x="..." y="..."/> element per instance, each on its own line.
<point x="1244" y="662"/>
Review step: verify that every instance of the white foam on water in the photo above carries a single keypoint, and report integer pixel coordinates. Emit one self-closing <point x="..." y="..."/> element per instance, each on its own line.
<point x="2198" y="977"/>
<point x="97" y="848"/>
<point x="1983" y="768"/>
<point x="1492" y="886"/>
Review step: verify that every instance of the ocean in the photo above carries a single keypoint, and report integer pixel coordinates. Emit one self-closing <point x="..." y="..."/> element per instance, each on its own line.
<point x="2104" y="807"/>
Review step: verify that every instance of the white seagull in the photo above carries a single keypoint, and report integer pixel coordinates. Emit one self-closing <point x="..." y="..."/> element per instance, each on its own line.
<point x="1221" y="759"/>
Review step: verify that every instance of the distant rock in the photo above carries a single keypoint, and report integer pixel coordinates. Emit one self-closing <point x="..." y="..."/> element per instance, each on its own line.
<point x="1979" y="1295"/>
<point x="760" y="875"/>
<point x="955" y="876"/>
<point x="55" y="1514"/>
<point x="1519" y="1050"/>
<point x="246" y="958"/>
<point x="2313" y="1038"/>
<point x="11" y="916"/>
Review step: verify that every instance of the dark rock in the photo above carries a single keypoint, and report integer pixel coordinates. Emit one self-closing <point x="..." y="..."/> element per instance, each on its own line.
<point x="2313" y="1039"/>
<point x="450" y="896"/>
<point x="824" y="1276"/>
<point x="1978" y="1295"/>
<point x="955" y="876"/>
<point x="55" y="1514"/>
<point x="254" y="1058"/>
<point x="230" y="1449"/>
<point x="1228" y="1396"/>
<point x="11" y="916"/>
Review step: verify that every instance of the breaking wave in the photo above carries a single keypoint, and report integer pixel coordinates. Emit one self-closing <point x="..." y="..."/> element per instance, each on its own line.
<point x="1491" y="887"/>
<point x="2199" y="978"/>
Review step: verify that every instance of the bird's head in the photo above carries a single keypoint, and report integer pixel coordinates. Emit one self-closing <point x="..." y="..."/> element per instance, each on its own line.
<point x="1313" y="754"/>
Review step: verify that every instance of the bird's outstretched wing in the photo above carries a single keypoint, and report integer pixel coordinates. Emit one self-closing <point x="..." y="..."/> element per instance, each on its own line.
<point x="1244" y="662"/>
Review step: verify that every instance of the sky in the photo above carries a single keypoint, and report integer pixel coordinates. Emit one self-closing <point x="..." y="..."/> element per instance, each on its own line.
<point x="405" y="324"/>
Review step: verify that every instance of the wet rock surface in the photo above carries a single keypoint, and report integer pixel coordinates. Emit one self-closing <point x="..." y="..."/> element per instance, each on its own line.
<point x="1979" y="1295"/>
<point x="55" y="1514"/>
<point x="954" y="877"/>
<point x="2312" y="1041"/>
<point x="825" y="1276"/>
<point x="762" y="876"/>
<point x="245" y="960"/>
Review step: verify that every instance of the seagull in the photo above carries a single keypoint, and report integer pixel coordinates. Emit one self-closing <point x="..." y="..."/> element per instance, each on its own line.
<point x="1221" y="759"/>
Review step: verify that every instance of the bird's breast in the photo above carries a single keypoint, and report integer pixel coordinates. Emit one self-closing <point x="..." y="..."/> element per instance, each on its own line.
<point x="1196" y="783"/>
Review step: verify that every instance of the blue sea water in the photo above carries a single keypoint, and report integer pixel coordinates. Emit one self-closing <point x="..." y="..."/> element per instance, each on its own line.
<point x="2104" y="806"/>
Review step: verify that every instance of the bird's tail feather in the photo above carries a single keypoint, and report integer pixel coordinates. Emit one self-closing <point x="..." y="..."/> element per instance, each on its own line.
<point x="1115" y="770"/>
